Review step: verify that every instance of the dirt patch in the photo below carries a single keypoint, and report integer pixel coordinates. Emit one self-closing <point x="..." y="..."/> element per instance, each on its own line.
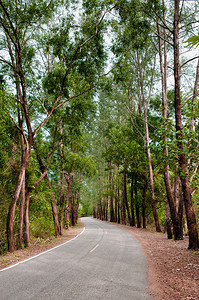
<point x="173" y="270"/>
<point x="37" y="246"/>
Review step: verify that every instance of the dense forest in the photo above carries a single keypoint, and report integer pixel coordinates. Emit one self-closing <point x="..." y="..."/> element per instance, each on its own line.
<point x="99" y="115"/>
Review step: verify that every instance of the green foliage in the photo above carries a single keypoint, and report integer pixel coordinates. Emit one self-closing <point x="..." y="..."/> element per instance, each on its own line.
<point x="193" y="41"/>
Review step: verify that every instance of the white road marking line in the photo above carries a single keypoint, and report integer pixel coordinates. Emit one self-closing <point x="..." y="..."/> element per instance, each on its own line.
<point x="94" y="248"/>
<point x="23" y="261"/>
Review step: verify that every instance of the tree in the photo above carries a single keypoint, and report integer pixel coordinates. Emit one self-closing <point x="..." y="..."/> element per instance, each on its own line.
<point x="18" y="23"/>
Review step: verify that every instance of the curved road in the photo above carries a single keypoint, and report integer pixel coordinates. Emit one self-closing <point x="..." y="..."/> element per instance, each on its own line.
<point x="104" y="262"/>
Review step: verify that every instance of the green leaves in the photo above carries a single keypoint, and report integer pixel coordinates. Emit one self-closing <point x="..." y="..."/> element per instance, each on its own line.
<point x="193" y="41"/>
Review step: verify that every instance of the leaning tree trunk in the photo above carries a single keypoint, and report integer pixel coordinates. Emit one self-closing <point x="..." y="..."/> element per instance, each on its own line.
<point x="190" y="215"/>
<point x="11" y="213"/>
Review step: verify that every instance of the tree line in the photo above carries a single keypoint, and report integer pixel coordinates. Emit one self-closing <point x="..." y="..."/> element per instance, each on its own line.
<point x="65" y="118"/>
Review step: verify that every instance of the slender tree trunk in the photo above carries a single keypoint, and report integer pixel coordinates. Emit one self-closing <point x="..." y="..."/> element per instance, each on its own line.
<point x="95" y="215"/>
<point x="190" y="215"/>
<point x="144" y="202"/>
<point x="106" y="209"/>
<point x="166" y="217"/>
<point x="72" y="211"/>
<point x="11" y="213"/>
<point x="137" y="210"/>
<point x="194" y="96"/>
<point x="126" y="201"/>
<point x="22" y="200"/>
<point x="123" y="206"/>
<point x="26" y="219"/>
<point x="100" y="200"/>
<point x="21" y="215"/>
<point x="155" y="214"/>
<point x="112" y="215"/>
<point x="174" y="215"/>
<point x="54" y="208"/>
<point x="69" y="180"/>
<point x="145" y="107"/>
<point x="62" y="202"/>
<point x="119" y="206"/>
<point x="132" y="202"/>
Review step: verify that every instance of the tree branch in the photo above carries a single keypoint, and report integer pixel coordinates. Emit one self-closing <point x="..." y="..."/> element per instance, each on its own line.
<point x="189" y="61"/>
<point x="20" y="129"/>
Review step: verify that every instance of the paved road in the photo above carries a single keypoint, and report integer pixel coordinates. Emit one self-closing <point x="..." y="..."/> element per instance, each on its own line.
<point x="104" y="262"/>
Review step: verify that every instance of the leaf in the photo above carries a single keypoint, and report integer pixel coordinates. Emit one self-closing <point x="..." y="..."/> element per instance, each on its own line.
<point x="193" y="41"/>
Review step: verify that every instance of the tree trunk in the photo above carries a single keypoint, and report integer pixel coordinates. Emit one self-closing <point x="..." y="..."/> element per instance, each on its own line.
<point x="119" y="206"/>
<point x="190" y="215"/>
<point x="94" y="212"/>
<point x="132" y="202"/>
<point x="144" y="202"/>
<point x="116" y="208"/>
<point x="62" y="201"/>
<point x="126" y="201"/>
<point x="54" y="208"/>
<point x="137" y="210"/>
<point x="11" y="213"/>
<point x="21" y="215"/>
<point x="69" y="179"/>
<point x="166" y="217"/>
<point x="174" y="215"/>
<point x="123" y="206"/>
<point x="112" y="215"/>
<point x="145" y="107"/>
<point x="26" y="219"/>
<point x="23" y="191"/>
<point x="72" y="211"/>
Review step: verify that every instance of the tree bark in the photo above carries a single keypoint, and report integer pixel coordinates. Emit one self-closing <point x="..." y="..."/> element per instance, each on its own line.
<point x="137" y="209"/>
<point x="163" y="70"/>
<point x="190" y="215"/>
<point x="132" y="202"/>
<point x="62" y="201"/>
<point x="11" y="213"/>
<point x="26" y="219"/>
<point x="123" y="206"/>
<point x="144" y="202"/>
<point x="112" y="215"/>
<point x="69" y="179"/>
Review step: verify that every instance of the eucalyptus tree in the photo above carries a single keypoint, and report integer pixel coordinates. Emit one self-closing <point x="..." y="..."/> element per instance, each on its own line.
<point x="183" y="17"/>
<point x="20" y="24"/>
<point x="139" y="51"/>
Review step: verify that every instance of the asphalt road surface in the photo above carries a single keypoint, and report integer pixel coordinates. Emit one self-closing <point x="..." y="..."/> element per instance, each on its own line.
<point x="104" y="262"/>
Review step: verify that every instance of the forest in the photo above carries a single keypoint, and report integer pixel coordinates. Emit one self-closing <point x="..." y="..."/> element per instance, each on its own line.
<point x="99" y="113"/>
